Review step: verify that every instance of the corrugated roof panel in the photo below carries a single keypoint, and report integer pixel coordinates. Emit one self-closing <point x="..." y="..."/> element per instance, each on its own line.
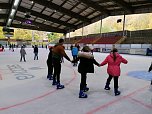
<point x="58" y="2"/>
<point x="67" y="6"/>
<point x="4" y="1"/>
<point x="36" y="9"/>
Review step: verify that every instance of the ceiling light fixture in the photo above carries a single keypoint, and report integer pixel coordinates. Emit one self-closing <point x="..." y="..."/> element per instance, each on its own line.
<point x="32" y="2"/>
<point x="16" y="2"/>
<point x="12" y="12"/>
<point x="9" y="22"/>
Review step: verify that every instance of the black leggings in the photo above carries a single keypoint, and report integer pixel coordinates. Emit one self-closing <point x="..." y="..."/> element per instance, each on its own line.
<point x="22" y="56"/>
<point x="57" y="70"/>
<point x="115" y="80"/>
<point x="74" y="59"/>
<point x="83" y="81"/>
<point x="50" y="68"/>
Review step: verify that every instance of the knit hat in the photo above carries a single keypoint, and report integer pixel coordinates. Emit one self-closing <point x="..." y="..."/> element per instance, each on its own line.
<point x="86" y="49"/>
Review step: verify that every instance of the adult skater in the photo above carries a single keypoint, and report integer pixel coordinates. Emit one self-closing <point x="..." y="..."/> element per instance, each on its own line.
<point x="57" y="54"/>
<point x="23" y="53"/>
<point x="35" y="52"/>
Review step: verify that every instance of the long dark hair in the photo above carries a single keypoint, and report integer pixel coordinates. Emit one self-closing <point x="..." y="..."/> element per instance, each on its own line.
<point x="114" y="54"/>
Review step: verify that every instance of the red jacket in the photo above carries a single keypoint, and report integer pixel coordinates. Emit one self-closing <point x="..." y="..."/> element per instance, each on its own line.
<point x="114" y="66"/>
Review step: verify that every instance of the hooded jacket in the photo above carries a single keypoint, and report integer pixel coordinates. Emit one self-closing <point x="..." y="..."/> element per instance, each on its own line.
<point x="114" y="66"/>
<point x="87" y="62"/>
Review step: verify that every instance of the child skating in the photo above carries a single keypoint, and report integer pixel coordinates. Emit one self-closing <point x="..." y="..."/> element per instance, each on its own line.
<point x="113" y="60"/>
<point x="86" y="65"/>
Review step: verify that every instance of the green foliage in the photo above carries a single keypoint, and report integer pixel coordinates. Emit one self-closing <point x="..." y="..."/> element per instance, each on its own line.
<point x="22" y="34"/>
<point x="109" y="24"/>
<point x="1" y="33"/>
<point x="52" y="36"/>
<point x="36" y="37"/>
<point x="105" y="29"/>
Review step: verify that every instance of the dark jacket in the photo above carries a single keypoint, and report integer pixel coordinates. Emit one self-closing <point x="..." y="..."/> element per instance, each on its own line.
<point x="35" y="49"/>
<point x="86" y="64"/>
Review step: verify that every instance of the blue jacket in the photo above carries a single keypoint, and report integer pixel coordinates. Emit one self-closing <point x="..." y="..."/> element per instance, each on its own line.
<point x="74" y="51"/>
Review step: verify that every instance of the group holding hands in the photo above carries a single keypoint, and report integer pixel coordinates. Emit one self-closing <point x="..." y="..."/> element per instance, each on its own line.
<point x="86" y="65"/>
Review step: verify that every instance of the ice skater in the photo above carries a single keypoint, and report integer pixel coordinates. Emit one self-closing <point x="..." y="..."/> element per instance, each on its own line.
<point x="150" y="68"/>
<point x="57" y="53"/>
<point x="23" y="53"/>
<point x="86" y="65"/>
<point x="50" y="65"/>
<point x="75" y="54"/>
<point x="113" y="60"/>
<point x="35" y="52"/>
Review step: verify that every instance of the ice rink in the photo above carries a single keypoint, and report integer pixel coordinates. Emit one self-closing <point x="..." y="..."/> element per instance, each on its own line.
<point x="24" y="88"/>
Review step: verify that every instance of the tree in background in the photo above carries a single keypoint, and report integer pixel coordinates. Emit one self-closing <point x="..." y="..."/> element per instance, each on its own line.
<point x="22" y="34"/>
<point x="1" y="33"/>
<point x="52" y="36"/>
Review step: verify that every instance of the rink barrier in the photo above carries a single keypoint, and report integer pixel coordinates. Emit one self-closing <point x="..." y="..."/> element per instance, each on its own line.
<point x="133" y="49"/>
<point x="1" y="49"/>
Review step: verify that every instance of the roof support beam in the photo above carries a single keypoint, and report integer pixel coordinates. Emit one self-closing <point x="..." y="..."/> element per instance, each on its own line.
<point x="35" y="28"/>
<point x="27" y="27"/>
<point x="149" y="1"/>
<point x="34" y="13"/>
<point x="5" y="6"/>
<point x="124" y="4"/>
<point x="71" y="9"/>
<point x="3" y="16"/>
<point x="40" y="25"/>
<point x="95" y="6"/>
<point x="140" y="2"/>
<point x="61" y="9"/>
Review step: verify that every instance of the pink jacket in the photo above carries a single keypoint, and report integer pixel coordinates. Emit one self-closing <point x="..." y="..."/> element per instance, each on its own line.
<point x="114" y="66"/>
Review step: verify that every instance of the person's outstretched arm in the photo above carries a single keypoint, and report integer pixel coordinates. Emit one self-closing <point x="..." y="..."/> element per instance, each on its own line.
<point x="96" y="63"/>
<point x="64" y="54"/>
<point x="124" y="60"/>
<point x="104" y="62"/>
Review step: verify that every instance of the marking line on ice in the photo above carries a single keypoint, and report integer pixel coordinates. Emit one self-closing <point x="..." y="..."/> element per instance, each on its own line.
<point x="39" y="97"/>
<point x="115" y="101"/>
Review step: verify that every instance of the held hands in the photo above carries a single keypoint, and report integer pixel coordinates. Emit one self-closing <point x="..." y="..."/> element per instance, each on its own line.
<point x="99" y="65"/>
<point x="71" y="60"/>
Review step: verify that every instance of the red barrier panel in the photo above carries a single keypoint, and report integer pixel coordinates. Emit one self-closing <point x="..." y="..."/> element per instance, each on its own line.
<point x="1" y="49"/>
